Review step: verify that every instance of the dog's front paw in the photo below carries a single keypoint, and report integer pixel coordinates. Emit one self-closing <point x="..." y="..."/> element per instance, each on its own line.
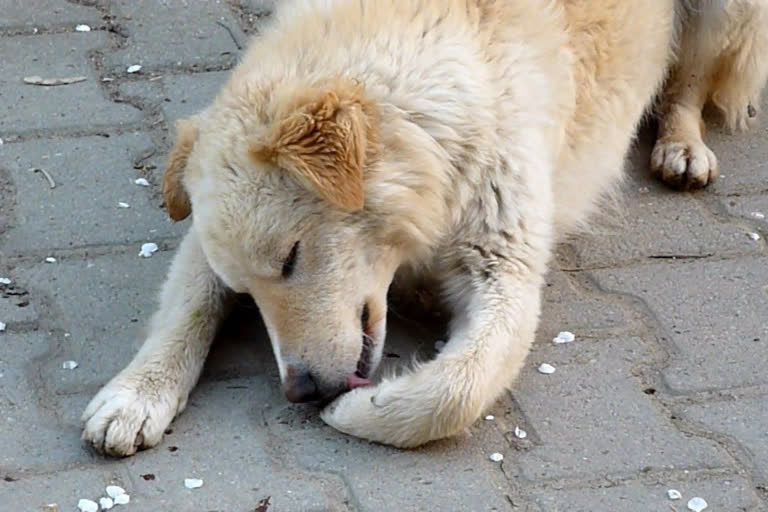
<point x="128" y="414"/>
<point x="384" y="414"/>
<point x="684" y="164"/>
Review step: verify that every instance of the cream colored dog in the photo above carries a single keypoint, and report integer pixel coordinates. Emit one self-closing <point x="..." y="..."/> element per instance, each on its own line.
<point x="452" y="138"/>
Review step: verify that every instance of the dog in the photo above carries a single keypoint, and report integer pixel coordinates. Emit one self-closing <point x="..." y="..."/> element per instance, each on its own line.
<point x="362" y="141"/>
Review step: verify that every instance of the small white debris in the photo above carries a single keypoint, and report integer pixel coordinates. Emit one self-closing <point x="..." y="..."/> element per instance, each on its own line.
<point x="121" y="204"/>
<point x="439" y="345"/>
<point x="3" y="325"/>
<point x="490" y="417"/>
<point x="69" y="365"/>
<point x="87" y="506"/>
<point x="674" y="494"/>
<point x="5" y="280"/>
<point x="546" y="369"/>
<point x="106" y="503"/>
<point x="1" y="142"/>
<point x="697" y="504"/>
<point x="134" y="69"/>
<point x="148" y="249"/>
<point x="123" y="499"/>
<point x="563" y="337"/>
<point x="496" y="457"/>
<point x="520" y="433"/>
<point x="757" y="215"/>
<point x="107" y="79"/>
<point x="83" y="28"/>
<point x="753" y="236"/>
<point x="49" y="82"/>
<point x="141" y="182"/>
<point x="113" y="491"/>
<point x="192" y="483"/>
<point x="643" y="190"/>
<point x="50" y="259"/>
<point x="67" y="335"/>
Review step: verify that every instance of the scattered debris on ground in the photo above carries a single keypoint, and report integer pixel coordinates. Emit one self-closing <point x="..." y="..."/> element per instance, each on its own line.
<point x="148" y="249"/>
<point x="69" y="365"/>
<point x="141" y="182"/>
<point x="546" y="369"/>
<point x="490" y="417"/>
<point x="697" y="504"/>
<point x="193" y="483"/>
<point x="520" y="433"/>
<point x="262" y="505"/>
<point x="82" y="28"/>
<point x="134" y="68"/>
<point x="563" y="337"/>
<point x="496" y="457"/>
<point x="121" y="204"/>
<point x="50" y="259"/>
<point x="45" y="173"/>
<point x="674" y="494"/>
<point x="753" y="236"/>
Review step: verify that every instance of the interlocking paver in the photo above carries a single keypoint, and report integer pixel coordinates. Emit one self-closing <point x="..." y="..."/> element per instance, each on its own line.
<point x="175" y="34"/>
<point x="714" y="314"/>
<point x="92" y="175"/>
<point x="30" y="108"/>
<point x="17" y="14"/>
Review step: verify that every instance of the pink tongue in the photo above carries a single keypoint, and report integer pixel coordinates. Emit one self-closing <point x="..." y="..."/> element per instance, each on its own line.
<point x="353" y="381"/>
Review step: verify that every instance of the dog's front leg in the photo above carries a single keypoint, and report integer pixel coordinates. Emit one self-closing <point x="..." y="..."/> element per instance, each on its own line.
<point x="133" y="410"/>
<point x="495" y="292"/>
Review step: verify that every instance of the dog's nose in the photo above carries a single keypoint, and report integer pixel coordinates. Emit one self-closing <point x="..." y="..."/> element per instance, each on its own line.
<point x="299" y="386"/>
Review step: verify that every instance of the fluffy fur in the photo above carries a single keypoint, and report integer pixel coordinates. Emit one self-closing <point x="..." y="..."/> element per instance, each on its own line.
<point x="455" y="139"/>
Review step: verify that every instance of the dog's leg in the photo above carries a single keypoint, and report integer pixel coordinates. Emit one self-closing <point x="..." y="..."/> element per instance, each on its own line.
<point x="723" y="57"/>
<point x="133" y="410"/>
<point x="492" y="283"/>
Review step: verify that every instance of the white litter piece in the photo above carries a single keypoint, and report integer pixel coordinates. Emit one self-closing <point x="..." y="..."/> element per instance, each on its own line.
<point x="1" y="142"/>
<point x="113" y="491"/>
<point x="50" y="259"/>
<point x="106" y="503"/>
<point x="5" y="280"/>
<point x="563" y="337"/>
<point x="141" y="182"/>
<point x="193" y="483"/>
<point x="83" y="28"/>
<point x="121" y="204"/>
<point x="87" y="505"/>
<point x="757" y="215"/>
<point x="674" y="494"/>
<point x="546" y="369"/>
<point x="520" y="433"/>
<point x="643" y="190"/>
<point x="490" y="417"/>
<point x="439" y="345"/>
<point x="753" y="236"/>
<point x="148" y="249"/>
<point x="496" y="457"/>
<point x="123" y="499"/>
<point x="3" y="325"/>
<point x="48" y="82"/>
<point x="134" y="69"/>
<point x="697" y="504"/>
<point x="69" y="365"/>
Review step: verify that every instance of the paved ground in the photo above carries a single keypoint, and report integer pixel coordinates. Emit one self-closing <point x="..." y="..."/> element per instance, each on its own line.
<point x="665" y="387"/>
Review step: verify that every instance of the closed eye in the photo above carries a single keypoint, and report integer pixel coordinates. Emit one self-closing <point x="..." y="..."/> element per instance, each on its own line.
<point x="290" y="262"/>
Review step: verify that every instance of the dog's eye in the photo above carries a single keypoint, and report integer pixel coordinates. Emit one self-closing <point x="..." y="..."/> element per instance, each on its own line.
<point x="290" y="262"/>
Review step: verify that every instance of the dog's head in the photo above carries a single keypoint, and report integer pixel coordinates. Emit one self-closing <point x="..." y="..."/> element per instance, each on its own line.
<point x="278" y="190"/>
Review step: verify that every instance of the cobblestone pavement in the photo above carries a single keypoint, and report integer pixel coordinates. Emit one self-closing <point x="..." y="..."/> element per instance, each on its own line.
<point x="665" y="386"/>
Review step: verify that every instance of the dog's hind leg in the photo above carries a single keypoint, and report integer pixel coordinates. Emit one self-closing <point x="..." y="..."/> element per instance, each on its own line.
<point x="133" y="410"/>
<point x="723" y="58"/>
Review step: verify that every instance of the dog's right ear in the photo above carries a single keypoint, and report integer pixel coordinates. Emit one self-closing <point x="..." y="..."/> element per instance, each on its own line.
<point x="175" y="195"/>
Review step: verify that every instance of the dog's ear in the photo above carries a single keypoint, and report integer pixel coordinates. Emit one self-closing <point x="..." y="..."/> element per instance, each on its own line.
<point x="174" y="193"/>
<point x="325" y="139"/>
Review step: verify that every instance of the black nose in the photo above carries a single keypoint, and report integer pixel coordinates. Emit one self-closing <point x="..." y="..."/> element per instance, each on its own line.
<point x="299" y="386"/>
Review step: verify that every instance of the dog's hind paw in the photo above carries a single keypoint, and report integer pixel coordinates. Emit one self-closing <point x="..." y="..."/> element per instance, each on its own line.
<point x="126" y="415"/>
<point x="684" y="164"/>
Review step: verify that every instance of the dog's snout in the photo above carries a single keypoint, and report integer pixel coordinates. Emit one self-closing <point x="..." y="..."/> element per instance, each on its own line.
<point x="299" y="386"/>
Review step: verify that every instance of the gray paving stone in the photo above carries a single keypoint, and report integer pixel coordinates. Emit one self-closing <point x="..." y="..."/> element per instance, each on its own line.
<point x="178" y="96"/>
<point x="663" y="225"/>
<point x="261" y="7"/>
<point x="715" y="314"/>
<point x="722" y="494"/>
<point x="104" y="303"/>
<point x="590" y="418"/>
<point x="751" y="208"/>
<point x="42" y="13"/>
<point x="82" y="105"/>
<point x="175" y="34"/>
<point x="744" y="420"/>
<point x="29" y="414"/>
<point x="16" y="305"/>
<point x="92" y="175"/>
<point x="743" y="158"/>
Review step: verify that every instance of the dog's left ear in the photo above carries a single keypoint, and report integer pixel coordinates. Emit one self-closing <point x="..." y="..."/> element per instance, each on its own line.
<point x="325" y="139"/>
<point x="175" y="195"/>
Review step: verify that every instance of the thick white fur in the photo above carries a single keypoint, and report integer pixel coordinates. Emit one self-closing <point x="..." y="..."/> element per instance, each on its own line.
<point x="499" y="127"/>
